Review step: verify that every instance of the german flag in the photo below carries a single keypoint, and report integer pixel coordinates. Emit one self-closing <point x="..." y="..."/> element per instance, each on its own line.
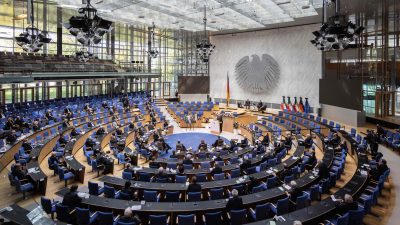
<point x="228" y="93"/>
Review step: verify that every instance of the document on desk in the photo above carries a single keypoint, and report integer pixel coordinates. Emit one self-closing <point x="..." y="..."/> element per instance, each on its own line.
<point x="136" y="207"/>
<point x="31" y="170"/>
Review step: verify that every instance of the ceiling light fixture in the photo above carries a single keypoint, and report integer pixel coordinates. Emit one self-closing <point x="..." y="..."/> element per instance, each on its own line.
<point x="153" y="53"/>
<point x="32" y="39"/>
<point x="205" y="48"/>
<point x="337" y="33"/>
<point x="88" y="27"/>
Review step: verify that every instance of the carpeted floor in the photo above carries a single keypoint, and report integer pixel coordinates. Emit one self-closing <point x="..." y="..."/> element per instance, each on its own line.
<point x="191" y="140"/>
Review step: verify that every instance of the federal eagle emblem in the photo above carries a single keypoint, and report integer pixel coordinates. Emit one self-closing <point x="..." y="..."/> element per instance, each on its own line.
<point x="255" y="75"/>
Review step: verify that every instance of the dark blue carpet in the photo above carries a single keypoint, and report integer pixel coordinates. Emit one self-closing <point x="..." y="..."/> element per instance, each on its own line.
<point x="191" y="140"/>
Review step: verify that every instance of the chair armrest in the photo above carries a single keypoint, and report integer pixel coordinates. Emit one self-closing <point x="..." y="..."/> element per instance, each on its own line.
<point x="94" y="214"/>
<point x="116" y="218"/>
<point x="294" y="203"/>
<point x="252" y="210"/>
<point x="72" y="212"/>
<point x="228" y="215"/>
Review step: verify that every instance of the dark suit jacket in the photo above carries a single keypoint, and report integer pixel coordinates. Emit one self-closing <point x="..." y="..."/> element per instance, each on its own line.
<point x="216" y="170"/>
<point x="194" y="188"/>
<point x="72" y="200"/>
<point x="187" y="162"/>
<point x="235" y="203"/>
<point x="323" y="172"/>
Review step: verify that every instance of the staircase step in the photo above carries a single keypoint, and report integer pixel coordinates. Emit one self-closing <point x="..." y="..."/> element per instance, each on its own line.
<point x="371" y="220"/>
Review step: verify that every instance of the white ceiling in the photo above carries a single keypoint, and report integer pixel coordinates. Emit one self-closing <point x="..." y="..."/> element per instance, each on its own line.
<point x="188" y="14"/>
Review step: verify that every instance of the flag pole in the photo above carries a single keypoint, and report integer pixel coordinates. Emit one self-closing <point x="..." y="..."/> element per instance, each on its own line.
<point x="228" y="94"/>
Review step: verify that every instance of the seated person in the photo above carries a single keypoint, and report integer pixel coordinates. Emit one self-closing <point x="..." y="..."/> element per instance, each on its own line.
<point x="202" y="145"/>
<point x="161" y="175"/>
<point x="100" y="131"/>
<point x="381" y="169"/>
<point x="27" y="146"/>
<point x="194" y="186"/>
<point x="90" y="143"/>
<point x="253" y="183"/>
<point x="53" y="160"/>
<point x="247" y="104"/>
<point x="244" y="142"/>
<point x="335" y="140"/>
<point x="218" y="158"/>
<point x="18" y="172"/>
<point x="71" y="199"/>
<point x="74" y="133"/>
<point x="285" y="172"/>
<point x="288" y="142"/>
<point x="261" y="107"/>
<point x="265" y="140"/>
<point x="11" y="137"/>
<point x="36" y="125"/>
<point x="108" y="163"/>
<point x="128" y="217"/>
<point x="323" y="170"/>
<point x="90" y="123"/>
<point x="62" y="140"/>
<point x="234" y="203"/>
<point x="20" y="122"/>
<point x="129" y="169"/>
<point x="65" y="123"/>
<point x="180" y="146"/>
<point x="180" y="169"/>
<point x="219" y="142"/>
<point x="311" y="162"/>
<point x="268" y="155"/>
<point x="308" y="142"/>
<point x="127" y="189"/>
<point x="10" y="124"/>
<point x="216" y="170"/>
<point x="188" y="160"/>
<point x="294" y="192"/>
<point x="346" y="204"/>
<point x="49" y="115"/>
<point x="132" y="125"/>
<point x="245" y="165"/>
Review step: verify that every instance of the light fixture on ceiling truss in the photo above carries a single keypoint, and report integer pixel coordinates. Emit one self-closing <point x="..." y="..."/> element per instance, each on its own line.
<point x="205" y="48"/>
<point x="153" y="52"/>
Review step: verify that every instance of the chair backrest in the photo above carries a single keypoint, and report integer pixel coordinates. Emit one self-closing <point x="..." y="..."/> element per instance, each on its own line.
<point x="105" y="218"/>
<point x="46" y="204"/>
<point x="172" y="196"/>
<point x="150" y="196"/>
<point x="194" y="196"/>
<point x="93" y="188"/>
<point x="314" y="193"/>
<point x="238" y="217"/>
<point x="180" y="179"/>
<point x="62" y="213"/>
<point x="144" y="177"/>
<point x="82" y="216"/>
<point x="302" y="201"/>
<point x="158" y="220"/>
<point x="205" y="165"/>
<point x="252" y="170"/>
<point x="262" y="211"/>
<point x="216" y="193"/>
<point x="186" y="219"/>
<point x="124" y="196"/>
<point x="127" y="175"/>
<point x="343" y="220"/>
<point x="282" y="206"/>
<point x="188" y="166"/>
<point x="201" y="177"/>
<point x="271" y="182"/>
<point x="213" y="218"/>
<point x="235" y="173"/>
<point x="219" y="176"/>
<point x="356" y="216"/>
<point x="109" y="192"/>
<point x="259" y="188"/>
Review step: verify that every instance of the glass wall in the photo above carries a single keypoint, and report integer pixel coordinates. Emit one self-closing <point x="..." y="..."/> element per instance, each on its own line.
<point x="177" y="48"/>
<point x="374" y="58"/>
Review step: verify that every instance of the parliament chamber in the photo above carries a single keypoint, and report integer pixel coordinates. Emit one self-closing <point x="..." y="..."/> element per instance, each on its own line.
<point x="199" y="112"/>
